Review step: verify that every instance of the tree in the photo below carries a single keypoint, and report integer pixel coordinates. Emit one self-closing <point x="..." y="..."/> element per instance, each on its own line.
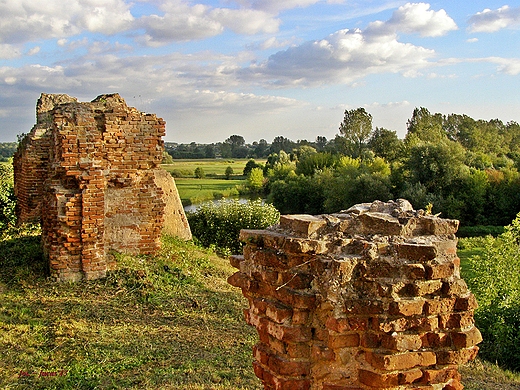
<point x="281" y="143"/>
<point x="255" y="179"/>
<point x="385" y="143"/>
<point x="229" y="172"/>
<point x="356" y="128"/>
<point x="237" y="142"/>
<point x="425" y="127"/>
<point x="321" y="142"/>
<point x="199" y="173"/>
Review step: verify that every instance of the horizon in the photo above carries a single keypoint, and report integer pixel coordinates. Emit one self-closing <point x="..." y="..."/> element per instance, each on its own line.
<point x="262" y="68"/>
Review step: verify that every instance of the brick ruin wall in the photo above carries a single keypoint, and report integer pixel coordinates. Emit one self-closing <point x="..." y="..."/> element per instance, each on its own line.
<point x="369" y="298"/>
<point x="89" y="172"/>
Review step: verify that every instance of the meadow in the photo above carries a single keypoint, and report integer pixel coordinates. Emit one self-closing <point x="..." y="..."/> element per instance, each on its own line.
<point x="214" y="185"/>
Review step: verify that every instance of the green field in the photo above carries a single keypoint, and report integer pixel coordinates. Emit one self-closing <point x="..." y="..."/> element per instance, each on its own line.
<point x="211" y="167"/>
<point x="193" y="191"/>
<point x="214" y="185"/>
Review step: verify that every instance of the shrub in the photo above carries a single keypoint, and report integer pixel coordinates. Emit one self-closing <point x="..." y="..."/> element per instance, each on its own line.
<point x="199" y="173"/>
<point x="495" y="281"/>
<point x="7" y="198"/>
<point x="219" y="224"/>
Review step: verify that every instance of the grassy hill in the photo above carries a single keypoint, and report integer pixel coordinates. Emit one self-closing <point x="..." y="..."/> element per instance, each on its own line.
<point x="168" y="322"/>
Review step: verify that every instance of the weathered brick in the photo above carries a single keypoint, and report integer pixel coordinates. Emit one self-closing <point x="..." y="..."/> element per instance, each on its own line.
<point x="400" y="361"/>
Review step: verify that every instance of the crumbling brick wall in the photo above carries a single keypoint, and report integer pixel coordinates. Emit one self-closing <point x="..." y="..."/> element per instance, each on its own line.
<point x="90" y="173"/>
<point x="370" y="298"/>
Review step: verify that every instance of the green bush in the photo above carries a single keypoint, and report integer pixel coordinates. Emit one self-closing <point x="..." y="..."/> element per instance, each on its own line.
<point x="495" y="281"/>
<point x="219" y="224"/>
<point x="7" y="198"/>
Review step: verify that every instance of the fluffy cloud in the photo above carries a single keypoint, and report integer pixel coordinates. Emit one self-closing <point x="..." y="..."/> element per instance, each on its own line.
<point x="415" y="18"/>
<point x="24" y="20"/>
<point x="494" y="20"/>
<point x="348" y="55"/>
<point x="182" y="22"/>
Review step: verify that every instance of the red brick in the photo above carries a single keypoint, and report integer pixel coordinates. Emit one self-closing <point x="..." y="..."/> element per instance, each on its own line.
<point x="408" y="307"/>
<point x="466" y="339"/>
<point x="288" y="367"/>
<point x="401" y="342"/>
<point x="341" y="325"/>
<point x="441" y="375"/>
<point x="461" y="356"/>
<point x="374" y="379"/>
<point x="466" y="303"/>
<point x="401" y="361"/>
<point x="344" y="340"/>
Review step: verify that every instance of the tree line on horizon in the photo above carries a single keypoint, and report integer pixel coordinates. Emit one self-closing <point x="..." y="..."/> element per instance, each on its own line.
<point x="464" y="168"/>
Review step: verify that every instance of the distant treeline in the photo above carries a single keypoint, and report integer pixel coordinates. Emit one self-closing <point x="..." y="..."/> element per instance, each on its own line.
<point x="7" y="150"/>
<point x="464" y="168"/>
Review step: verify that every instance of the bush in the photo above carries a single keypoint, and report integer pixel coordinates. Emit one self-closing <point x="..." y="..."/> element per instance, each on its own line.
<point x="7" y="198"/>
<point x="219" y="224"/>
<point x="495" y="281"/>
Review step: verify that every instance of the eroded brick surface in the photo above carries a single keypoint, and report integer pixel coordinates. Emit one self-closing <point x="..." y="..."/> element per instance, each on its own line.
<point x="369" y="298"/>
<point x="89" y="172"/>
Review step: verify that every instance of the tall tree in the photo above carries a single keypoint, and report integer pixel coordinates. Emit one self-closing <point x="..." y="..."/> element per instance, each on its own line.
<point x="385" y="143"/>
<point x="356" y="128"/>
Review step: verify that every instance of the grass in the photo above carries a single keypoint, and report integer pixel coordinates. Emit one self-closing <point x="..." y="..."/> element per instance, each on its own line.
<point x="214" y="186"/>
<point x="211" y="167"/>
<point x="193" y="191"/>
<point x="169" y="322"/>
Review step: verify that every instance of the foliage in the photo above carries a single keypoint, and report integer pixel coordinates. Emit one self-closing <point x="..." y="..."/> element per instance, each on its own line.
<point x="7" y="198"/>
<point x="199" y="173"/>
<point x="229" y="172"/>
<point x="356" y="128"/>
<point x="298" y="194"/>
<point x="495" y="281"/>
<point x="255" y="180"/>
<point x="219" y="224"/>
<point x="309" y="164"/>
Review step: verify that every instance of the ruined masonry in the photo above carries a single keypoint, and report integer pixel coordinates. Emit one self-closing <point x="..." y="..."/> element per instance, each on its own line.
<point x="89" y="172"/>
<point x="369" y="298"/>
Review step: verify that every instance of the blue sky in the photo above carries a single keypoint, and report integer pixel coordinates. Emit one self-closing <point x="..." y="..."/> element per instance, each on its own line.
<point x="262" y="68"/>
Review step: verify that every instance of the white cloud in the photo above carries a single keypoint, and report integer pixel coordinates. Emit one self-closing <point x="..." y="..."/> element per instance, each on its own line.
<point x="244" y="21"/>
<point x="33" y="51"/>
<point x="415" y="18"/>
<point x="493" y="20"/>
<point x="182" y="22"/>
<point x="472" y="40"/>
<point x="348" y="55"/>
<point x="25" y="20"/>
<point x="179" y="23"/>
<point x="8" y="52"/>
<point x="510" y="66"/>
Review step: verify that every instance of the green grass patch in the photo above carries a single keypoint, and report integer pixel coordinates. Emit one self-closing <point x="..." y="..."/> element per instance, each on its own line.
<point x="193" y="191"/>
<point x="169" y="322"/>
<point x="211" y="167"/>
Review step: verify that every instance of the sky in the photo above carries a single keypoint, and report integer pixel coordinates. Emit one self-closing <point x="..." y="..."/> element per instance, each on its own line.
<point x="262" y="68"/>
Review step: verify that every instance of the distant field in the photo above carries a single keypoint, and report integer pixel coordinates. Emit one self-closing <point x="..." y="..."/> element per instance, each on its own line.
<point x="192" y="191"/>
<point x="213" y="167"/>
<point x="214" y="186"/>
